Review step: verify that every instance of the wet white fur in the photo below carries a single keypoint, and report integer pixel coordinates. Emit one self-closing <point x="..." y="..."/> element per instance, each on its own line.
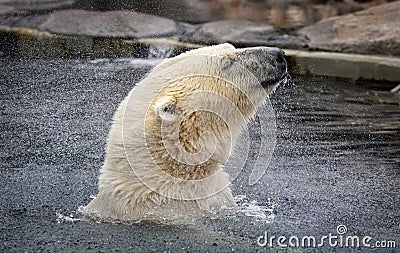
<point x="122" y="193"/>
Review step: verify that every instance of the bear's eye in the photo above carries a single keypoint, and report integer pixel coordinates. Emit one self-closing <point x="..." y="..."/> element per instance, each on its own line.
<point x="170" y="109"/>
<point x="165" y="108"/>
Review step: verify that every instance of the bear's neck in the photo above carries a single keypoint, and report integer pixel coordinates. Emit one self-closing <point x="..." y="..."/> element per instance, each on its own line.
<point x="192" y="150"/>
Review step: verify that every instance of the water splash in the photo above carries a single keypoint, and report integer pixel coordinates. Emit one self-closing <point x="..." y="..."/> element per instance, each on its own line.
<point x="121" y="63"/>
<point x="61" y="218"/>
<point x="156" y="54"/>
<point x="139" y="62"/>
<point x="260" y="211"/>
<point x="160" y="52"/>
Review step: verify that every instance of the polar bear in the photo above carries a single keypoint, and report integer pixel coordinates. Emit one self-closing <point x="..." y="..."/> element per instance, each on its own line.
<point x="173" y="132"/>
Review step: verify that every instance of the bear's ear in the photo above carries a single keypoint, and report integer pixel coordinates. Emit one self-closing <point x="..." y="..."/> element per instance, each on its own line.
<point x="165" y="108"/>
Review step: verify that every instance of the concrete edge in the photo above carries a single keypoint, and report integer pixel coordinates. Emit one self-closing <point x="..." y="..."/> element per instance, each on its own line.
<point x="345" y="65"/>
<point x="28" y="43"/>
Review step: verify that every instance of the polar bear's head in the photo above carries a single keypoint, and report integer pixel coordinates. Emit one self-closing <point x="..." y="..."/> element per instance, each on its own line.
<point x="256" y="72"/>
<point x="199" y="101"/>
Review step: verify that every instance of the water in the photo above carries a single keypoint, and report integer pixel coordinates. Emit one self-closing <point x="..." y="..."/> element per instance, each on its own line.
<point x="160" y="52"/>
<point x="262" y="213"/>
<point x="336" y="163"/>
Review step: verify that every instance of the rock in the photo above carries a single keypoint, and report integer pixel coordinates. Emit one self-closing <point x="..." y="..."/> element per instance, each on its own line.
<point x="5" y="10"/>
<point x="192" y="11"/>
<point x="26" y="21"/>
<point x="115" y="24"/>
<point x="372" y="31"/>
<point x="244" y="33"/>
<point x="36" y="5"/>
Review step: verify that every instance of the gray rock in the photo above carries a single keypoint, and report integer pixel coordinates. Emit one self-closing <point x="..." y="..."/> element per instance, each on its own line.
<point x="36" y="5"/>
<point x="244" y="33"/>
<point x="5" y="9"/>
<point x="116" y="24"/>
<point x="26" y="21"/>
<point x="372" y="31"/>
<point x="192" y="11"/>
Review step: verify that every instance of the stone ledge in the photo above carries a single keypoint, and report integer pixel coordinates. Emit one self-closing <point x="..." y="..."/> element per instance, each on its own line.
<point x="31" y="43"/>
<point x="352" y="66"/>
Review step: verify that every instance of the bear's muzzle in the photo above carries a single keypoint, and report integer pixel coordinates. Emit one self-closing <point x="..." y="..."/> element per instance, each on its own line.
<point x="268" y="64"/>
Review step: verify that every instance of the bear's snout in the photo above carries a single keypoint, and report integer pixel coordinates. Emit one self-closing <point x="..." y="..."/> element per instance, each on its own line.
<point x="268" y="64"/>
<point x="280" y="61"/>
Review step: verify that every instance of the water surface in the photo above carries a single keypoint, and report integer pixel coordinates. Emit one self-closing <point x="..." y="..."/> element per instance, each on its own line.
<point x="336" y="163"/>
